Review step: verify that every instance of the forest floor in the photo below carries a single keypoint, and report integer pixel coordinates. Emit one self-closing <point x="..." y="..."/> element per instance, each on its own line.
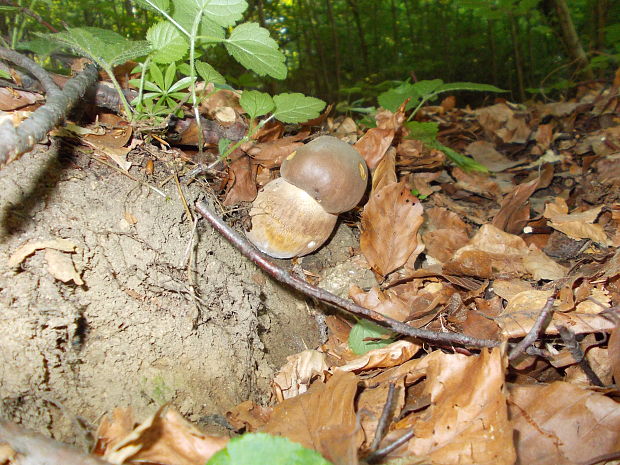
<point x="113" y="294"/>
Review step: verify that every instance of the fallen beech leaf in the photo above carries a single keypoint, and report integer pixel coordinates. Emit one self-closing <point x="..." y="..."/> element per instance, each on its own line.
<point x="30" y="247"/>
<point x="484" y="153"/>
<point x="390" y="223"/>
<point x="373" y="145"/>
<point x="515" y="208"/>
<point x="385" y="173"/>
<point x="385" y="357"/>
<point x="249" y="416"/>
<point x="493" y="253"/>
<point x="446" y="233"/>
<point x="372" y="401"/>
<point x="576" y="225"/>
<point x="300" y="370"/>
<point x="467" y="420"/>
<point x="113" y="430"/>
<point x="270" y="154"/>
<point x="165" y="438"/>
<point x="322" y="419"/>
<point x="501" y="121"/>
<point x="386" y="303"/>
<point x="61" y="267"/>
<point x="562" y="424"/>
<point x="244" y="182"/>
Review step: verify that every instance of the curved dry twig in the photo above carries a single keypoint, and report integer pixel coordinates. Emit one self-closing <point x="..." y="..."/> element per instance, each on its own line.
<point x="17" y="141"/>
<point x="278" y="273"/>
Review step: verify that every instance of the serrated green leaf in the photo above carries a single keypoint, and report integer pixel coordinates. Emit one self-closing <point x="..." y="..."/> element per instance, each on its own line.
<point x="251" y="46"/>
<point x="256" y="103"/>
<point x="208" y="73"/>
<point x="209" y="32"/>
<point x="424" y="89"/>
<point x="454" y="86"/>
<point x="424" y="131"/>
<point x="366" y="336"/>
<point x="41" y="47"/>
<point x="296" y="107"/>
<point x="261" y="448"/>
<point x="394" y="98"/>
<point x="167" y="42"/>
<point x="223" y="12"/>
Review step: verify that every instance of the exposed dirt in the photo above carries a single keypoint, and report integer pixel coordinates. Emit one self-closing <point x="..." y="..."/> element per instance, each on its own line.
<point x="132" y="334"/>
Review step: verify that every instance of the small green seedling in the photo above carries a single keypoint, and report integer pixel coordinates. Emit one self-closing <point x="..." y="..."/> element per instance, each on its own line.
<point x="261" y="448"/>
<point x="366" y="336"/>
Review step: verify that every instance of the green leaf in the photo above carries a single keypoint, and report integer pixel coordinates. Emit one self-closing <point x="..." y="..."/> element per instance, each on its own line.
<point x="366" y="336"/>
<point x="170" y="75"/>
<point x="185" y="14"/>
<point x="426" y="131"/>
<point x="394" y="98"/>
<point x="296" y="108"/>
<point x="256" y="103"/>
<point x="154" y="5"/>
<point x="181" y="84"/>
<point x="251" y="46"/>
<point x="222" y="145"/>
<point x="460" y="160"/>
<point x="41" y="47"/>
<point x="208" y="73"/>
<point x="454" y="86"/>
<point x="424" y="89"/>
<point x="5" y="75"/>
<point x="223" y="12"/>
<point x="261" y="448"/>
<point x="157" y="76"/>
<point x="167" y="42"/>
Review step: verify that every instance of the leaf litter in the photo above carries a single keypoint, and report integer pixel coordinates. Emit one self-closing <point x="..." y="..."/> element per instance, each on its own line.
<point x="453" y="251"/>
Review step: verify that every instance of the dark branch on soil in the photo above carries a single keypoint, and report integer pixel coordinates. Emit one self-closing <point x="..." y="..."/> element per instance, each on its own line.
<point x="278" y="273"/>
<point x="18" y="140"/>
<point x="38" y="450"/>
<point x="534" y="331"/>
<point x="385" y="418"/>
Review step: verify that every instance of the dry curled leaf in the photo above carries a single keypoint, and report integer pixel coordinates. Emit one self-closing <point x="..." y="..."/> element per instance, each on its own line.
<point x="390" y="224"/>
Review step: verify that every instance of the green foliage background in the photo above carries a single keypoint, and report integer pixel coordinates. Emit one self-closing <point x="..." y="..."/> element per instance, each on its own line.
<point x="352" y="49"/>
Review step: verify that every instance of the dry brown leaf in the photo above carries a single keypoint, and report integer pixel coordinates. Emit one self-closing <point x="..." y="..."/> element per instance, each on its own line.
<point x="493" y="253"/>
<point x="446" y="233"/>
<point x="484" y="153"/>
<point x="374" y="144"/>
<point x="30" y="247"/>
<point x="113" y="430"/>
<point x="385" y="173"/>
<point x="248" y="416"/>
<point x="386" y="357"/>
<point x="61" y="267"/>
<point x="390" y="223"/>
<point x="165" y="438"/>
<point x="244" y="182"/>
<point x="576" y="225"/>
<point x="614" y="354"/>
<point x="501" y="121"/>
<point x="12" y="99"/>
<point x="467" y="420"/>
<point x="562" y="424"/>
<point x="478" y="183"/>
<point x="322" y="419"/>
<point x="387" y="303"/>
<point x="299" y="371"/>
<point x="515" y="208"/>
<point x="270" y="154"/>
<point x="372" y="400"/>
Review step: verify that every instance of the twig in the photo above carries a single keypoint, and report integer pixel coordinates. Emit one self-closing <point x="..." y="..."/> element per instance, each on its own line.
<point x="32" y="14"/>
<point x="278" y="273"/>
<point x="575" y="349"/>
<point x="377" y="455"/>
<point x="16" y="141"/>
<point x="385" y="418"/>
<point x="532" y="335"/>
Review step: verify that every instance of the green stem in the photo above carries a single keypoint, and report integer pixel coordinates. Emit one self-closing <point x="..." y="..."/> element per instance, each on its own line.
<point x="145" y="68"/>
<point x="192" y="74"/>
<point x="117" y="86"/>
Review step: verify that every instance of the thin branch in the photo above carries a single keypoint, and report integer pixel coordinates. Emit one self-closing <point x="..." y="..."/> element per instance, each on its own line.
<point x="532" y="335"/>
<point x="385" y="418"/>
<point x="32" y="14"/>
<point x="278" y="273"/>
<point x="575" y="349"/>
<point x="376" y="456"/>
<point x="16" y="141"/>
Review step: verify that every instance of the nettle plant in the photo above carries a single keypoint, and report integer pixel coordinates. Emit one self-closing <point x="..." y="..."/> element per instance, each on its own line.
<point x="189" y="28"/>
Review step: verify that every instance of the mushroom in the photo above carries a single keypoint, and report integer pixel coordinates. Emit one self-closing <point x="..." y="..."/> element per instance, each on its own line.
<point x="296" y="213"/>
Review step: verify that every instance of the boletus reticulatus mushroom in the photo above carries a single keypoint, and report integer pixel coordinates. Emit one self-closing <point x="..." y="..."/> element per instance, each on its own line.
<point x="296" y="213"/>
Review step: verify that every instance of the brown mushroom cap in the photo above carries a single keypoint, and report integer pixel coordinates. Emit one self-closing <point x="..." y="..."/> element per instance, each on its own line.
<point x="329" y="170"/>
<point x="287" y="222"/>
